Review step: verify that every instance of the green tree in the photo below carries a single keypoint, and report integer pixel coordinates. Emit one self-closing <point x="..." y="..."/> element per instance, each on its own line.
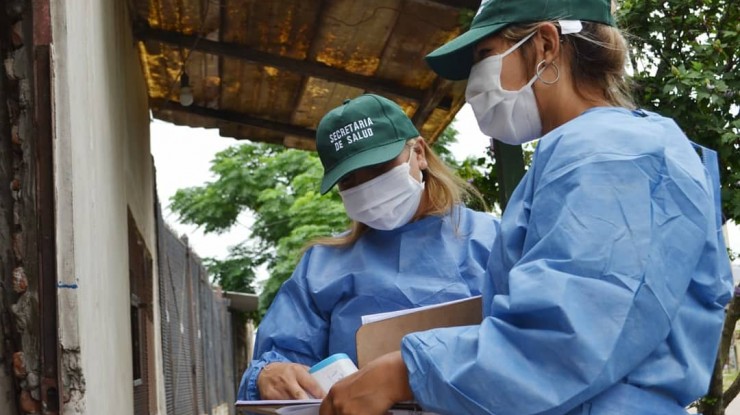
<point x="684" y="54"/>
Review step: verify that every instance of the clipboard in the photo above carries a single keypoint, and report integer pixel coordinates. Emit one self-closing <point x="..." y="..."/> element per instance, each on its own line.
<point x="380" y="337"/>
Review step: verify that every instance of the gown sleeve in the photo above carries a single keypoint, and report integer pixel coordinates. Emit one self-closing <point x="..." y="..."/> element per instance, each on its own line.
<point x="293" y="330"/>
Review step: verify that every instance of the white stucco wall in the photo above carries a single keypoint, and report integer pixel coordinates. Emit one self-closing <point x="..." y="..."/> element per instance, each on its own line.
<point x="103" y="166"/>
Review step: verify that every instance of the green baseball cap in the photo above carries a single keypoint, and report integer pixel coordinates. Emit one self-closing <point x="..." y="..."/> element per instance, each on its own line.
<point x="454" y="59"/>
<point x="362" y="132"/>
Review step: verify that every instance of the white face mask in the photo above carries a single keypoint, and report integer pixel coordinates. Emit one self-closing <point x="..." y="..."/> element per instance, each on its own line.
<point x="508" y="116"/>
<point x="387" y="201"/>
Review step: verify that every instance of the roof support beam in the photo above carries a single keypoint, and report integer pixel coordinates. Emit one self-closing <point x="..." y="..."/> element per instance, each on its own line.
<point x="236" y="118"/>
<point x="434" y="95"/>
<point x="468" y="4"/>
<point x="315" y="69"/>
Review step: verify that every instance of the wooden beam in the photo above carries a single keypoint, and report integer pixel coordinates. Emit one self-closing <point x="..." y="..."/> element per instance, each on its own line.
<point x="435" y="94"/>
<point x="222" y="8"/>
<point x="315" y="69"/>
<point x="459" y="4"/>
<point x="236" y="118"/>
<point x="46" y="232"/>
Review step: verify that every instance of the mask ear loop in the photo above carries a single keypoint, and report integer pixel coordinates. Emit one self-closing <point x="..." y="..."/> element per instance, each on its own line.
<point x="541" y="68"/>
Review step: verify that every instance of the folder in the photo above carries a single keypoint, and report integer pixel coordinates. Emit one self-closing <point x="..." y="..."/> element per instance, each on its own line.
<point x="377" y="338"/>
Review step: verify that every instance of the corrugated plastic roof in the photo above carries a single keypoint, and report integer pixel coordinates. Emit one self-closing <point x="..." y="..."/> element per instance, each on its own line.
<point x="268" y="70"/>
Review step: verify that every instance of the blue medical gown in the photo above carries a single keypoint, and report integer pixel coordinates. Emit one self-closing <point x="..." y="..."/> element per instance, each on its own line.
<point x="317" y="311"/>
<point x="610" y="275"/>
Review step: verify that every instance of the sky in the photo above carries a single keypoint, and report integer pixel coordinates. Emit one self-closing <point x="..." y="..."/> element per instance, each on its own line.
<point x="182" y="157"/>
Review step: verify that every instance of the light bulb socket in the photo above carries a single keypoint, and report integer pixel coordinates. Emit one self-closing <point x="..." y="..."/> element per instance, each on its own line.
<point x="186" y="92"/>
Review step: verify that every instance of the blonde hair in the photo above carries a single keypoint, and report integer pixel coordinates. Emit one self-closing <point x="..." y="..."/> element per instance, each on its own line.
<point x="443" y="189"/>
<point x="598" y="57"/>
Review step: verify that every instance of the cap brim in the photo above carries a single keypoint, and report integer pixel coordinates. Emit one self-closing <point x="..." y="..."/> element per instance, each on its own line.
<point x="454" y="59"/>
<point x="361" y="160"/>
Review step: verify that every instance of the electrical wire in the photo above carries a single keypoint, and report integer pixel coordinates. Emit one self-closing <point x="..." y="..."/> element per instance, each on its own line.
<point x="199" y="36"/>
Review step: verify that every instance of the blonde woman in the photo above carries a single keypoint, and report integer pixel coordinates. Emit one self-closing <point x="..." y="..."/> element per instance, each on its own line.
<point x="613" y="275"/>
<point x="412" y="243"/>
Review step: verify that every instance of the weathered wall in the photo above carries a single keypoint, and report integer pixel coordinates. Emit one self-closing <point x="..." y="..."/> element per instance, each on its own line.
<point x="9" y="96"/>
<point x="103" y="165"/>
<point x="25" y="60"/>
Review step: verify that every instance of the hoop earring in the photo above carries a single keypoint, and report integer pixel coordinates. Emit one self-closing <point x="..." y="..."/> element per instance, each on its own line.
<point x="541" y="68"/>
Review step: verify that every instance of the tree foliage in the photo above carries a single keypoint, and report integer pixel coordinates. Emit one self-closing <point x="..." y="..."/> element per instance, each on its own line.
<point x="684" y="54"/>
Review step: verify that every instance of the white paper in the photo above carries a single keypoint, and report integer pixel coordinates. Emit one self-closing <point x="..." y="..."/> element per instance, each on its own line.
<point x="371" y="318"/>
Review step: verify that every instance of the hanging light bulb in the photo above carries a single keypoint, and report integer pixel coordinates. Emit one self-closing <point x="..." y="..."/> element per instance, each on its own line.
<point x="186" y="92"/>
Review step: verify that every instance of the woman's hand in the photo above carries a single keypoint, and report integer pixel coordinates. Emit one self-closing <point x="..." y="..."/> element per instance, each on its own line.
<point x="372" y="390"/>
<point x="282" y="380"/>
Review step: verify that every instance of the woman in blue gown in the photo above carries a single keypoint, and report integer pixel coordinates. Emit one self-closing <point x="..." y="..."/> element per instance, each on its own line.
<point x="412" y="243"/>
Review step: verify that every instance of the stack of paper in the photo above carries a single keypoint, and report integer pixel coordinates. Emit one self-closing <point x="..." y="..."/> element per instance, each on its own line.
<point x="382" y="333"/>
